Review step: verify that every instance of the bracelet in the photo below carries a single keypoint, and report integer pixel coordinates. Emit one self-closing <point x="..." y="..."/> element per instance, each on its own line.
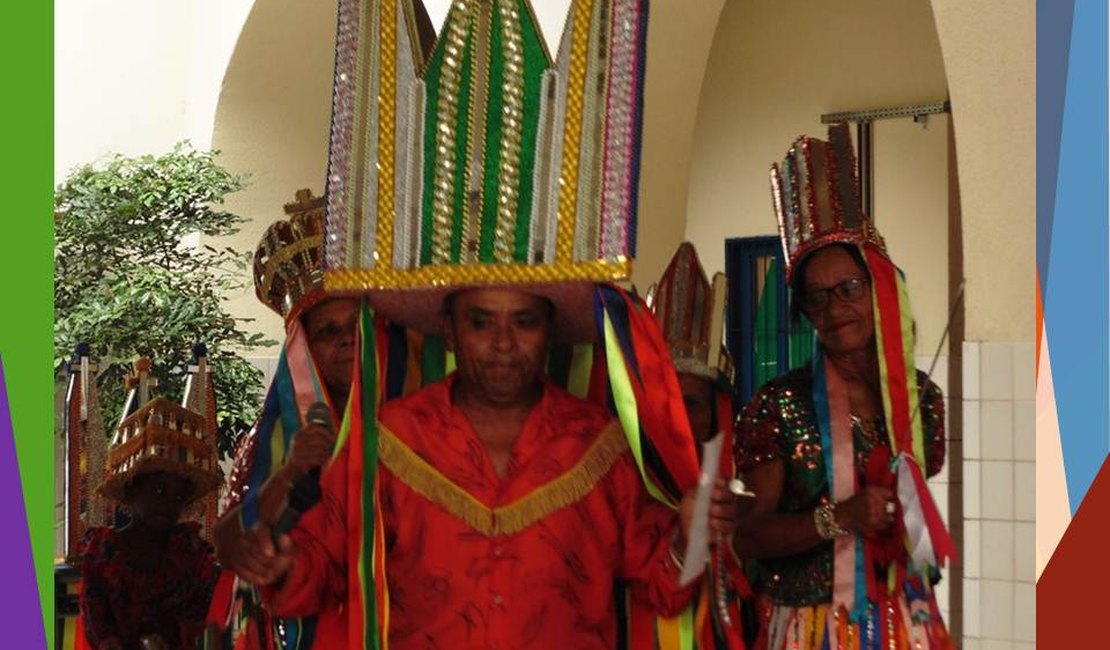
<point x="824" y="518"/>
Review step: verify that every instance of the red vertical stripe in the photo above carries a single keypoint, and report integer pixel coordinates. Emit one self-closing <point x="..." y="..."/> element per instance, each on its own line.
<point x="889" y="319"/>
<point x="659" y="398"/>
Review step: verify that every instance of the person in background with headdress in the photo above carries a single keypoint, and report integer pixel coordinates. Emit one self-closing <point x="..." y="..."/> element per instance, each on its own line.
<point x="691" y="314"/>
<point x="315" y="366"/>
<point x="494" y="507"/>
<point x="837" y="451"/>
<point x="148" y="584"/>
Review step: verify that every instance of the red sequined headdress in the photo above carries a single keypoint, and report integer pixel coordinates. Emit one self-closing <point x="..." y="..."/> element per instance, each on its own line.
<point x="817" y="197"/>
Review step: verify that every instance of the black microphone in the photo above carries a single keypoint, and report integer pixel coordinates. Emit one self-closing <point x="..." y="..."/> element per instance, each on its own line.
<point x="305" y="492"/>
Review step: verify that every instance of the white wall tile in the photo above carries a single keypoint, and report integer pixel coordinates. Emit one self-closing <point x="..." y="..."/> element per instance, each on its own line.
<point x="996" y="369"/>
<point x="996" y="607"/>
<point x="997" y="490"/>
<point x="1025" y="430"/>
<point x="972" y="607"/>
<point x="971" y="370"/>
<point x="998" y="550"/>
<point x="972" y="429"/>
<point x="996" y="644"/>
<point x="1024" y="364"/>
<point x="1025" y="492"/>
<point x="943" y="598"/>
<point x="973" y="544"/>
<point x="1025" y="552"/>
<point x="971" y="643"/>
<point x="997" y="421"/>
<point x="1025" y="612"/>
<point x="972" y="482"/>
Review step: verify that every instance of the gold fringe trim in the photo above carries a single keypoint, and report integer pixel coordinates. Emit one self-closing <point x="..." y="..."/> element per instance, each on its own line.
<point x="510" y="519"/>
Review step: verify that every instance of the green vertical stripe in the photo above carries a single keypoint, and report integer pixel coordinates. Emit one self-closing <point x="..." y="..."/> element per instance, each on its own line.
<point x="914" y="396"/>
<point x="581" y="367"/>
<point x="432" y="159"/>
<point x="558" y="364"/>
<point x="462" y="120"/>
<point x="431" y="99"/>
<point x="432" y="360"/>
<point x="369" y="404"/>
<point x="765" y="355"/>
<point x="495" y="125"/>
<point x="535" y="64"/>
<point x="624" y="399"/>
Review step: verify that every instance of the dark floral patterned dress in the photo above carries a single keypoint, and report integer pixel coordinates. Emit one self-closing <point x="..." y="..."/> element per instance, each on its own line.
<point x="122" y="602"/>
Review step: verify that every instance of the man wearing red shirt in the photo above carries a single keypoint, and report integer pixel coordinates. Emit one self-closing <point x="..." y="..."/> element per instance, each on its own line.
<point x="510" y="507"/>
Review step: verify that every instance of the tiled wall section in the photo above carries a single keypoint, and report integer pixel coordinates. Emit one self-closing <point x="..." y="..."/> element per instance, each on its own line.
<point x="999" y="491"/>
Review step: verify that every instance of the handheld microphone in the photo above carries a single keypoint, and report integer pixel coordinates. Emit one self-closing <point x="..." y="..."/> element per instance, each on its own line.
<point x="305" y="492"/>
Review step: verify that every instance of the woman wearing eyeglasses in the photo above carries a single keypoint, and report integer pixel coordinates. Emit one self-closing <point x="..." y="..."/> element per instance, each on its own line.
<point x="845" y="537"/>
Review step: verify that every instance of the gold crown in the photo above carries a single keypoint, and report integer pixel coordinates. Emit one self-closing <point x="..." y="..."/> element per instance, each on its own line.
<point x="817" y="197"/>
<point x="691" y="313"/>
<point x="160" y="436"/>
<point x="288" y="268"/>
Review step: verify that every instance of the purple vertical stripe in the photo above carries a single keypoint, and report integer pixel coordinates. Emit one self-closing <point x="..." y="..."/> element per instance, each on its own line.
<point x="19" y="599"/>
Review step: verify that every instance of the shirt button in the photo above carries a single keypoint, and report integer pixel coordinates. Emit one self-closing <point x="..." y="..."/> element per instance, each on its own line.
<point x="497" y="598"/>
<point x="498" y="551"/>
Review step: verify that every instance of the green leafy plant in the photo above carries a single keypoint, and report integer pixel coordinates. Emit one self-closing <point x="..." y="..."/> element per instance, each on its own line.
<point x="130" y="280"/>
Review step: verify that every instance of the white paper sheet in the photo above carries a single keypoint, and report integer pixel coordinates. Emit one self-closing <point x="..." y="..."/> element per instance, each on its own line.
<point x="697" y="538"/>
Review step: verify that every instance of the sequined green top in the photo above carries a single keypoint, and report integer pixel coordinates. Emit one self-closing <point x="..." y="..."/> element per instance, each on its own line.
<point x="780" y="424"/>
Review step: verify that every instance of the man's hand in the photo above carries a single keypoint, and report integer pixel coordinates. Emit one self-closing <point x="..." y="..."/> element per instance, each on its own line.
<point x="254" y="557"/>
<point x="724" y="509"/>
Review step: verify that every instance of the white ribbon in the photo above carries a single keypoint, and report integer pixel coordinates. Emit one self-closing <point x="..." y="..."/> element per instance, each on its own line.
<point x="921" y="550"/>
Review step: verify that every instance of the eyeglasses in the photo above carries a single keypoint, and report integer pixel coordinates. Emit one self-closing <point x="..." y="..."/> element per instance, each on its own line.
<point x="847" y="291"/>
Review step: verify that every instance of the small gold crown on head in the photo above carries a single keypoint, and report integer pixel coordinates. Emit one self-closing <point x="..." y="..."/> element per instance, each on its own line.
<point x="288" y="270"/>
<point x="817" y="197"/>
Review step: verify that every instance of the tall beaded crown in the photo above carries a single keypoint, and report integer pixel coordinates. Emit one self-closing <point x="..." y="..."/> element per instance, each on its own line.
<point x="480" y="160"/>
<point x="691" y="312"/>
<point x="288" y="264"/>
<point x="816" y="197"/>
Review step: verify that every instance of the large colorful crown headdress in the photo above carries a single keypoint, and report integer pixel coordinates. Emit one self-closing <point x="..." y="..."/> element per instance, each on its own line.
<point x="488" y="163"/>
<point x="816" y="196"/>
<point x="691" y="314"/>
<point x="288" y="264"/>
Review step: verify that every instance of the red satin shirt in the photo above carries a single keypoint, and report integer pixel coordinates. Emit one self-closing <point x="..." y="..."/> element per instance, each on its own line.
<point x="536" y="565"/>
